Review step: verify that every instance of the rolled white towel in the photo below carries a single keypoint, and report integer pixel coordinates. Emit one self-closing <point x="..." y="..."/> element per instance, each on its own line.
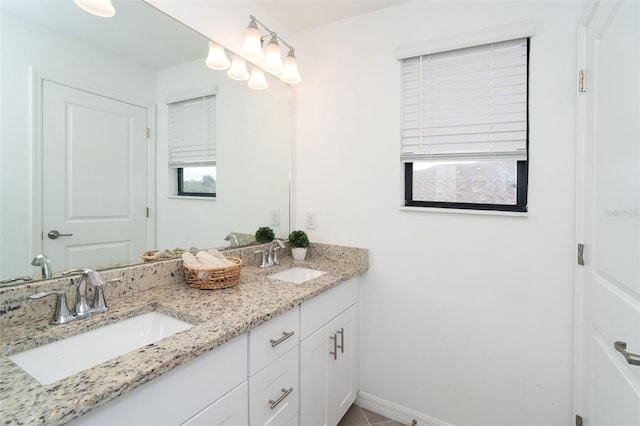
<point x="215" y="253"/>
<point x="190" y="260"/>
<point x="208" y="261"/>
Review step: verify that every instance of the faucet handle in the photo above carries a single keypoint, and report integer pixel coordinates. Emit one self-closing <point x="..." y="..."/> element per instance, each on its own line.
<point x="61" y="314"/>
<point x="99" y="304"/>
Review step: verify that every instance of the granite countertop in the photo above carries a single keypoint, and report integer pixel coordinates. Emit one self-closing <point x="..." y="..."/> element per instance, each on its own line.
<point x="217" y="316"/>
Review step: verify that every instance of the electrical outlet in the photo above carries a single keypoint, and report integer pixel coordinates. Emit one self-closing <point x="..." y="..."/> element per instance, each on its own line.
<point x="274" y="214"/>
<point x="311" y="220"/>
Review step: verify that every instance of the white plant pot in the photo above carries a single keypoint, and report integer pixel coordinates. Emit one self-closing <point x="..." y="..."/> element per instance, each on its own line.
<point x="299" y="253"/>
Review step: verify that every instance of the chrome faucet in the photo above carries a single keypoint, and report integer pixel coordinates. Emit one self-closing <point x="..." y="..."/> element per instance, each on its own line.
<point x="233" y="240"/>
<point x="45" y="264"/>
<point x="270" y="257"/>
<point x="82" y="309"/>
<point x="273" y="251"/>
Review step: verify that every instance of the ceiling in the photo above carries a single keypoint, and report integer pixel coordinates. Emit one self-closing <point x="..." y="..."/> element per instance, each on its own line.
<point x="300" y="15"/>
<point x="161" y="42"/>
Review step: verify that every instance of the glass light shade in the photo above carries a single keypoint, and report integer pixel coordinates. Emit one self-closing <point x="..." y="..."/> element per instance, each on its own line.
<point x="217" y="58"/>
<point x="252" y="46"/>
<point x="257" y="80"/>
<point x="290" y="73"/>
<point x="102" y="8"/>
<point x="238" y="70"/>
<point x="272" y="60"/>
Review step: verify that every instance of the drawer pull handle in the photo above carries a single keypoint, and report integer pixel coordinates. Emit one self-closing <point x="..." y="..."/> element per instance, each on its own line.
<point x="284" y="337"/>
<point x="335" y="346"/>
<point x="285" y="392"/>
<point x="341" y="345"/>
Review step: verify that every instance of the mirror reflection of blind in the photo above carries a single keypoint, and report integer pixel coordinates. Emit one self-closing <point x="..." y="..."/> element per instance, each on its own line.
<point x="466" y="104"/>
<point x="192" y="132"/>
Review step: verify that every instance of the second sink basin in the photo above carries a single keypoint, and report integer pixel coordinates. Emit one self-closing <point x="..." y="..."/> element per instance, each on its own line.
<point x="57" y="360"/>
<point x="296" y="275"/>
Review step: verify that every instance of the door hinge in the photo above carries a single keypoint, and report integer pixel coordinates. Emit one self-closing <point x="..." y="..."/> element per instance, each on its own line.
<point x="148" y="133"/>
<point x="578" y="420"/>
<point x="580" y="254"/>
<point x="581" y="84"/>
<point x="147" y="211"/>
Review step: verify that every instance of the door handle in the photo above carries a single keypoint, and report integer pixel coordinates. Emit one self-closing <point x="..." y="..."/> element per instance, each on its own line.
<point x="335" y="346"/>
<point x="633" y="359"/>
<point x="341" y="345"/>
<point x="54" y="234"/>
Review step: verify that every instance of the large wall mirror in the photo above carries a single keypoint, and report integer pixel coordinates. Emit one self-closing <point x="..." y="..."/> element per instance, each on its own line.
<point x="62" y="70"/>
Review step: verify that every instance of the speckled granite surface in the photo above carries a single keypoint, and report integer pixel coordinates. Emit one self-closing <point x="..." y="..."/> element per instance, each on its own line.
<point x="217" y="315"/>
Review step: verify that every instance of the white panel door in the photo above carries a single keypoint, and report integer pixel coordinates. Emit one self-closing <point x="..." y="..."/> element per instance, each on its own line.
<point x="94" y="178"/>
<point x="609" y="385"/>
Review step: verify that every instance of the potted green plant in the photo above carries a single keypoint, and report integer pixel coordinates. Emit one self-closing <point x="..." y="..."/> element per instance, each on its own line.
<point x="299" y="242"/>
<point x="265" y="234"/>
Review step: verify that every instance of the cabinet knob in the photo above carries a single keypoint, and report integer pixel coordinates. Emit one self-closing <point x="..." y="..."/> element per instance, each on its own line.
<point x="335" y="346"/>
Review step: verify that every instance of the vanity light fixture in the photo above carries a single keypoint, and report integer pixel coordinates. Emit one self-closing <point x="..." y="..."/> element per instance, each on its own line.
<point x="290" y="73"/>
<point x="252" y="46"/>
<point x="257" y="80"/>
<point x="252" y="50"/>
<point x="217" y="58"/>
<point x="102" y="8"/>
<point x="238" y="70"/>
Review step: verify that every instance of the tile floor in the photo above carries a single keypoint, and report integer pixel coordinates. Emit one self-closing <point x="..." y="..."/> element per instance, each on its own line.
<point x="358" y="416"/>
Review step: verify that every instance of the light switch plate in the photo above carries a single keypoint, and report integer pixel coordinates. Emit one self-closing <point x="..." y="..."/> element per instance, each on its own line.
<point x="274" y="214"/>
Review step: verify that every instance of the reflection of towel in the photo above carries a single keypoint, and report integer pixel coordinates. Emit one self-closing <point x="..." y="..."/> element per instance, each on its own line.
<point x="171" y="254"/>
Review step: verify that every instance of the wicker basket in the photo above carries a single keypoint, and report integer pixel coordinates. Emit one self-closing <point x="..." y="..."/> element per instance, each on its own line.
<point x="213" y="279"/>
<point x="147" y="256"/>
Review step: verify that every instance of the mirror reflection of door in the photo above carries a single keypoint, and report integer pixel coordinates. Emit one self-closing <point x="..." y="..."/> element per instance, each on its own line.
<point x="94" y="178"/>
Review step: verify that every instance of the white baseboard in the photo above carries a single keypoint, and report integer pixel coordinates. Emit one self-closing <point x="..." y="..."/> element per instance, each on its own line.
<point x="395" y="411"/>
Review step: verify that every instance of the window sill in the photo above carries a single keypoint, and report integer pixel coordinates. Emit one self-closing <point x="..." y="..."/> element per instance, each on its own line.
<point x="190" y="197"/>
<point x="464" y="211"/>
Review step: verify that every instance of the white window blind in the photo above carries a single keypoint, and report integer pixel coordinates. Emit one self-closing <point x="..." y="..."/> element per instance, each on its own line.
<point x="192" y="132"/>
<point x="466" y="104"/>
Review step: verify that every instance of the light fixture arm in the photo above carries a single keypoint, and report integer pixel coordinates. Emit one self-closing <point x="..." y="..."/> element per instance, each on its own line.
<point x="271" y="33"/>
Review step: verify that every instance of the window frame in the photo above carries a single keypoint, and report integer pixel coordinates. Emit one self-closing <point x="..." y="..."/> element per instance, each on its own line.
<point x="182" y="193"/>
<point x="522" y="179"/>
<point x="522" y="174"/>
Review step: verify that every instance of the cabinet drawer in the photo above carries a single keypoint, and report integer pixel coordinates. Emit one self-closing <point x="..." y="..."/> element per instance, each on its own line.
<point x="273" y="392"/>
<point x="272" y="339"/>
<point x="231" y="409"/>
<point x="321" y="309"/>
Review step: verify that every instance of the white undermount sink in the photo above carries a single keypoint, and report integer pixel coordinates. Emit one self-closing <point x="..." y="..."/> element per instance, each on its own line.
<point x="57" y="360"/>
<point x="296" y="275"/>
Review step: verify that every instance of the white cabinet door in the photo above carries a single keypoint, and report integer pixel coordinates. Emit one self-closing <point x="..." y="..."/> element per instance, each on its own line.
<point x="314" y="359"/>
<point x="230" y="410"/>
<point x="341" y="375"/>
<point x="273" y="392"/>
<point x="328" y="371"/>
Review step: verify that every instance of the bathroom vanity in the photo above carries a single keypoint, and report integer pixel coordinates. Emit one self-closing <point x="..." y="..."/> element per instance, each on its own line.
<point x="264" y="351"/>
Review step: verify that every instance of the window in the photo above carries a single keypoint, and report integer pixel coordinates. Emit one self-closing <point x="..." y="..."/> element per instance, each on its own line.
<point x="192" y="145"/>
<point x="465" y="127"/>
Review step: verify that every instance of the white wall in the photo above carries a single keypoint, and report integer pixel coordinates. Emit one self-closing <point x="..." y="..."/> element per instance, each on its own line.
<point x="464" y="318"/>
<point x="253" y="136"/>
<point x="26" y="49"/>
